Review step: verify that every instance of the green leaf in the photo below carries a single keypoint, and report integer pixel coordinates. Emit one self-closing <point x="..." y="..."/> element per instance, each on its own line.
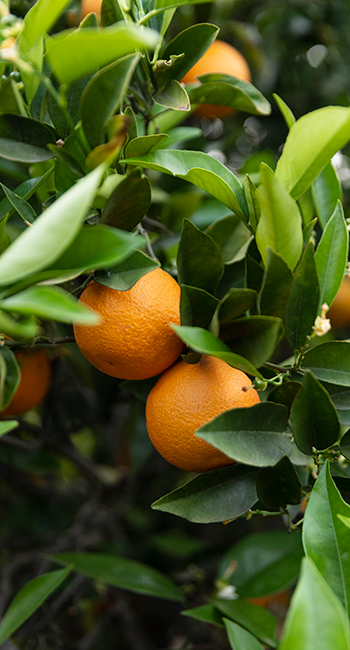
<point x="285" y="110"/>
<point x="325" y="538"/>
<point x="206" y="343"/>
<point x="91" y="49"/>
<point x="345" y="445"/>
<point x="267" y="562"/>
<point x="202" y="170"/>
<point x="254" y="211"/>
<point x="24" y="209"/>
<point x="110" y="12"/>
<point x="220" y="495"/>
<point x="25" y="191"/>
<point x="302" y="307"/>
<point x="123" y="573"/>
<point x="279" y="485"/>
<point x="10" y="98"/>
<point x="254" y="435"/>
<point x="316" y="619"/>
<point x="205" y="614"/>
<point x="230" y="234"/>
<point x="253" y="618"/>
<point x="24" y="330"/>
<point x="276" y="286"/>
<point x="7" y="426"/>
<point x="42" y="244"/>
<point x="173" y="96"/>
<point x="123" y="276"/>
<point x="192" y="42"/>
<point x="330" y="362"/>
<point x="233" y="304"/>
<point x="326" y="191"/>
<point x="103" y="95"/>
<point x="50" y="302"/>
<point x="28" y="599"/>
<point x="254" y="337"/>
<point x="144" y="144"/>
<point x="227" y="90"/>
<point x="280" y="225"/>
<point x="70" y="164"/>
<point x="312" y="142"/>
<point x="314" y="419"/>
<point x="181" y="134"/>
<point x="128" y="203"/>
<point x="194" y="251"/>
<point x="239" y="638"/>
<point x="196" y="306"/>
<point x="332" y="255"/>
<point x="308" y="230"/>
<point x="39" y="20"/>
<point x="24" y="139"/>
<point x="285" y="394"/>
<point x="10" y="377"/>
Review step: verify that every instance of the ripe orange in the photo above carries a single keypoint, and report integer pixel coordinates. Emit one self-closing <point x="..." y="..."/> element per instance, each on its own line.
<point x="87" y="6"/>
<point x="280" y="600"/>
<point x="339" y="313"/>
<point x="188" y="396"/>
<point x="221" y="58"/>
<point x="34" y="383"/>
<point x="134" y="339"/>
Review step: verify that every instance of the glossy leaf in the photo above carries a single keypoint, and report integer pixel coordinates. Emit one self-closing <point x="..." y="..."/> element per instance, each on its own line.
<point x="91" y="49"/>
<point x="128" y="203"/>
<point x="103" y="95"/>
<point x="254" y="436"/>
<point x="345" y="445"/>
<point x="312" y="142"/>
<point x="194" y="251"/>
<point x="220" y="495"/>
<point x="110" y="12"/>
<point x="279" y="485"/>
<point x="123" y="573"/>
<point x="228" y="90"/>
<point x="10" y="376"/>
<point x="316" y="619"/>
<point x="50" y="302"/>
<point x="254" y="337"/>
<point x="239" y="638"/>
<point x="325" y="538"/>
<point x="285" y="110"/>
<point x="205" y="614"/>
<point x="330" y="362"/>
<point x="233" y="304"/>
<point x="326" y="191"/>
<point x="280" y="225"/>
<point x="28" y="599"/>
<point x="202" y="170"/>
<point x="123" y="276"/>
<point x="200" y="340"/>
<point x="267" y="562"/>
<point x="51" y="234"/>
<point x="196" y="306"/>
<point x="24" y="139"/>
<point x="255" y="619"/>
<point x="285" y="393"/>
<point x="314" y="428"/>
<point x="24" y="209"/>
<point x="230" y="234"/>
<point x="276" y="286"/>
<point x="303" y="303"/>
<point x="173" y="96"/>
<point x="25" y="191"/>
<point x="192" y="42"/>
<point x="144" y="144"/>
<point x="180" y="134"/>
<point x="39" y="20"/>
<point x="332" y="255"/>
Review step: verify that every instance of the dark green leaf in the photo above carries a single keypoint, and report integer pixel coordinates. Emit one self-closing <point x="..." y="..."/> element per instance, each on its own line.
<point x="276" y="286"/>
<point x="279" y="485"/>
<point x="21" y="206"/>
<point x="205" y="614"/>
<point x="70" y="165"/>
<point x="173" y="96"/>
<point x="195" y="249"/>
<point x="123" y="276"/>
<point x="330" y="362"/>
<point x="220" y="495"/>
<point x="254" y="337"/>
<point x="332" y="255"/>
<point x="233" y="304"/>
<point x="24" y="139"/>
<point x="345" y="445"/>
<point x="124" y="573"/>
<point x="227" y="90"/>
<point x="254" y="211"/>
<point x="285" y="394"/>
<point x="230" y="234"/>
<point x="25" y="191"/>
<point x="255" y="619"/>
<point x="50" y="302"/>
<point x="239" y="638"/>
<point x="314" y="419"/>
<point x="10" y="376"/>
<point x="196" y="306"/>
<point x="326" y="190"/>
<point x="193" y="42"/>
<point x="110" y="12"/>
<point x="303" y="301"/>
<point x="128" y="203"/>
<point x="144" y="144"/>
<point x="133" y="128"/>
<point x="73" y="97"/>
<point x="234" y="277"/>
<point x="254" y="436"/>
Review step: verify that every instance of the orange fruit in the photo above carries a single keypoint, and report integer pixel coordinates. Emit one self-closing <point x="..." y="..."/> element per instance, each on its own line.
<point x="88" y="6"/>
<point x="186" y="397"/>
<point x="221" y="58"/>
<point x="34" y="382"/>
<point x="134" y="339"/>
<point x="282" y="600"/>
<point x="339" y="312"/>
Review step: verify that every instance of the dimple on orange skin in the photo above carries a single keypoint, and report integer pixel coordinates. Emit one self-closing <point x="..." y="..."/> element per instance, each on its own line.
<point x="134" y="339"/>
<point x="220" y="58"/>
<point x="186" y="397"/>
<point x="34" y="383"/>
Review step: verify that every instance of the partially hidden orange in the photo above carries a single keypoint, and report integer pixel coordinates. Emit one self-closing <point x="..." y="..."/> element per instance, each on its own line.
<point x="339" y="313"/>
<point x="187" y="396"/>
<point x="34" y="383"/>
<point x="134" y="339"/>
<point x="221" y="58"/>
<point x="89" y="6"/>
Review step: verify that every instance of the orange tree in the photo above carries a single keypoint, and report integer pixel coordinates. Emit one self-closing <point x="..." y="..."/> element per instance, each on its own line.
<point x="83" y="114"/>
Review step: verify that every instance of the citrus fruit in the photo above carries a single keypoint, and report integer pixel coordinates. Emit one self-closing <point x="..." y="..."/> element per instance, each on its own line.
<point x="34" y="383"/>
<point x="186" y="397"/>
<point x="273" y="601"/>
<point x="89" y="6"/>
<point x="339" y="312"/>
<point x="134" y="339"/>
<point x="221" y="58"/>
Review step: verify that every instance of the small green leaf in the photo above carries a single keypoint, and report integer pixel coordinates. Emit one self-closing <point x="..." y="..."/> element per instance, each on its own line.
<point x="254" y="211"/>
<point x="128" y="203"/>
<point x="254" y="337"/>
<point x="327" y="191"/>
<point x="332" y="255"/>
<point x="194" y="251"/>
<point x="10" y="98"/>
<point x="227" y="90"/>
<point x="345" y="446"/>
<point x="233" y="304"/>
<point x="50" y="302"/>
<point x="21" y="206"/>
<point x="276" y="286"/>
<point x="10" y="377"/>
<point x="280" y="225"/>
<point x="7" y="426"/>
<point x="24" y="139"/>
<point x="39" y="20"/>
<point x="285" y="394"/>
<point x="254" y="435"/>
<point x="285" y="110"/>
<point x="330" y="362"/>
<point x="220" y="495"/>
<point x="110" y="12"/>
<point x="303" y="300"/>
<point x="253" y="618"/>
<point x="192" y="42"/>
<point x="230" y="234"/>
<point x="205" y="614"/>
<point x="239" y="638"/>
<point x="196" y="306"/>
<point x="22" y="330"/>
<point x="25" y="191"/>
<point x="173" y="96"/>
<point x="144" y="144"/>
<point x="123" y="276"/>
<point x="28" y="599"/>
<point x="279" y="485"/>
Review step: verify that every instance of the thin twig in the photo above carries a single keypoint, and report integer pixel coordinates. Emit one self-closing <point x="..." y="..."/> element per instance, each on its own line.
<point x="157" y="224"/>
<point x="149" y="248"/>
